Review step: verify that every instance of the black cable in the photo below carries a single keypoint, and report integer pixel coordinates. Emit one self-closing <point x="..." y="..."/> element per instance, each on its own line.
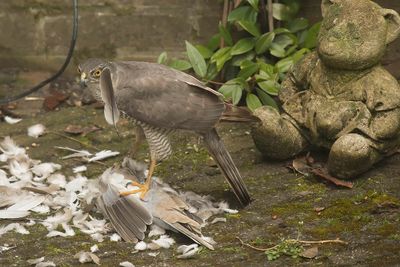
<point x="63" y="67"/>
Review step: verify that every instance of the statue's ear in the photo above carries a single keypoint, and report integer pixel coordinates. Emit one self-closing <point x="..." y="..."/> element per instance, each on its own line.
<point x="393" y="20"/>
<point x="325" y="5"/>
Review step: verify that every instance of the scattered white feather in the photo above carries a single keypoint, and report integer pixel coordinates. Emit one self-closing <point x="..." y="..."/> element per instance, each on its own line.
<point x="187" y="251"/>
<point x="94" y="248"/>
<point x="141" y="245"/>
<point x="57" y="179"/>
<point x="42" y="209"/>
<point x="13" y="214"/>
<point x="36" y="130"/>
<point x="76" y="154"/>
<point x="103" y="155"/>
<point x="30" y="223"/>
<point x="3" y="178"/>
<point x="76" y="184"/>
<point x="11" y="120"/>
<point x="10" y="149"/>
<point x="85" y="257"/>
<point x="45" y="169"/>
<point x="164" y="241"/>
<point x="115" y="237"/>
<point x="6" y="247"/>
<point x="13" y="227"/>
<point x="45" y="264"/>
<point x="218" y="219"/>
<point x="156" y="230"/>
<point x="126" y="264"/>
<point x="97" y="237"/>
<point x="81" y="168"/>
<point x="35" y="261"/>
<point x="153" y="254"/>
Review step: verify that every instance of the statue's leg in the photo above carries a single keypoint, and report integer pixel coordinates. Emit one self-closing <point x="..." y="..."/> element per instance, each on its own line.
<point x="351" y="155"/>
<point x="275" y="136"/>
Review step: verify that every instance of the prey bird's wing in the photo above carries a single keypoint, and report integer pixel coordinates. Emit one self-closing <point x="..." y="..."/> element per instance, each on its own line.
<point x="165" y="98"/>
<point x="173" y="211"/>
<point x="126" y="214"/>
<point x="111" y="111"/>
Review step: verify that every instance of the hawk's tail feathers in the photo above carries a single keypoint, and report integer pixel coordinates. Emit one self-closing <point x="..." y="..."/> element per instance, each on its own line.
<point x="227" y="166"/>
<point x="237" y="114"/>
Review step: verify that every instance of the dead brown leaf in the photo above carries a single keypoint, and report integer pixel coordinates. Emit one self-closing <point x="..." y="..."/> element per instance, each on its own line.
<point x="310" y="253"/>
<point x="78" y="129"/>
<point x="54" y="100"/>
<point x="323" y="173"/>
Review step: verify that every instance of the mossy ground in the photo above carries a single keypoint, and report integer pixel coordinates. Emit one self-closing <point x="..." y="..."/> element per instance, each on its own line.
<point x="285" y="206"/>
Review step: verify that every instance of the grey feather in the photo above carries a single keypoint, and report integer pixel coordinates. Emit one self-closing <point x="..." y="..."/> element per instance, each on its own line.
<point x="111" y="111"/>
<point x="226" y="164"/>
<point x="127" y="214"/>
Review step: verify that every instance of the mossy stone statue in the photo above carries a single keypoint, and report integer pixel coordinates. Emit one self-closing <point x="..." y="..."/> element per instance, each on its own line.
<point x="339" y="97"/>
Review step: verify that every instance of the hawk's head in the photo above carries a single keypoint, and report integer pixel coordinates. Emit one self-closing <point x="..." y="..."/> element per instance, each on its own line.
<point x="90" y="72"/>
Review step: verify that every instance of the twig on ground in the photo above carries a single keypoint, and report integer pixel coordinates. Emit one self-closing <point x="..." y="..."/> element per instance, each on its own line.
<point x="74" y="139"/>
<point x="338" y="241"/>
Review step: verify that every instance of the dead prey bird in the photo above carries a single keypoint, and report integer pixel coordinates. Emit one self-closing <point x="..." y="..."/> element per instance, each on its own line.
<point x="159" y="100"/>
<point x="130" y="216"/>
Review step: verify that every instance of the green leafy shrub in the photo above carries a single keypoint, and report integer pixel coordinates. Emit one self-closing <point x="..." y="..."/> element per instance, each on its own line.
<point x="252" y="67"/>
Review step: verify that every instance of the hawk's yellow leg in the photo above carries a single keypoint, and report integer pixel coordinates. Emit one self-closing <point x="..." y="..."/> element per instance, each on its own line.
<point x="143" y="188"/>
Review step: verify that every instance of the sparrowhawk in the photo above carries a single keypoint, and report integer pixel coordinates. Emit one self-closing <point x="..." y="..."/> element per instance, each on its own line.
<point x="159" y="100"/>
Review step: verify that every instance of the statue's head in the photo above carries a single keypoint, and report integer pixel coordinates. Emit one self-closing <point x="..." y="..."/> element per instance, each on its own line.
<point x="354" y="33"/>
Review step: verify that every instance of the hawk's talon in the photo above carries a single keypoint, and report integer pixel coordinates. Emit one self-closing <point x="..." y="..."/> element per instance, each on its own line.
<point x="143" y="188"/>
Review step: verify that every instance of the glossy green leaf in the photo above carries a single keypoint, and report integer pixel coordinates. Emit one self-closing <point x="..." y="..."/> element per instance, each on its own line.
<point x="312" y="36"/>
<point x="226" y="35"/>
<point x="162" y="58"/>
<point x="284" y="40"/>
<point x="300" y="54"/>
<point x="212" y="72"/>
<point x="267" y="68"/>
<point x="266" y="99"/>
<point x="281" y="11"/>
<point x="246" y="13"/>
<point x="254" y="4"/>
<point x="277" y="50"/>
<point x="227" y="89"/>
<point x="297" y="25"/>
<point x="269" y="86"/>
<point x="250" y="27"/>
<point x="237" y="60"/>
<point x="214" y="41"/>
<point x="196" y="59"/>
<point x="248" y="71"/>
<point x="264" y="42"/>
<point x="237" y="95"/>
<point x="221" y="56"/>
<point x="284" y="65"/>
<point x="204" y="51"/>
<point x="242" y="46"/>
<point x="180" y="64"/>
<point x="253" y="102"/>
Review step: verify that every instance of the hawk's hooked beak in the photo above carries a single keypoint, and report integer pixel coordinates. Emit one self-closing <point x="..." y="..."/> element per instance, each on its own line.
<point x="83" y="81"/>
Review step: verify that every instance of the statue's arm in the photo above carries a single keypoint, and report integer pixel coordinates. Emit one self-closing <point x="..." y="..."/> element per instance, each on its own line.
<point x="297" y="78"/>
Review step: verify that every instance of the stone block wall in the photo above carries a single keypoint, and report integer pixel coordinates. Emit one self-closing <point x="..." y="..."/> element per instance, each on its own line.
<point x="37" y="33"/>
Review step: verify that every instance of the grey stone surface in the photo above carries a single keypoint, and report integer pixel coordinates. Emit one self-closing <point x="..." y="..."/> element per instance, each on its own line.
<point x="38" y="32"/>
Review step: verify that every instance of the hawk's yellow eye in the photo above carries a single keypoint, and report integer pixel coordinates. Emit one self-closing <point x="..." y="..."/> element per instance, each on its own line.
<point x="97" y="73"/>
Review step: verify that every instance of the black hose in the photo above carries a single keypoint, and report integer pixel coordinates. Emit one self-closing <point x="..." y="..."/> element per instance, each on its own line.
<point x="63" y="67"/>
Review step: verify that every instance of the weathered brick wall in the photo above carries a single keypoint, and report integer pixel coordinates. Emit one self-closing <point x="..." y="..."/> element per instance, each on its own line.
<point x="37" y="32"/>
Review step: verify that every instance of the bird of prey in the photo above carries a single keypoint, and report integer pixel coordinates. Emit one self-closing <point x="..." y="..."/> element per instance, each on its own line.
<point x="159" y="100"/>
<point x="162" y="206"/>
